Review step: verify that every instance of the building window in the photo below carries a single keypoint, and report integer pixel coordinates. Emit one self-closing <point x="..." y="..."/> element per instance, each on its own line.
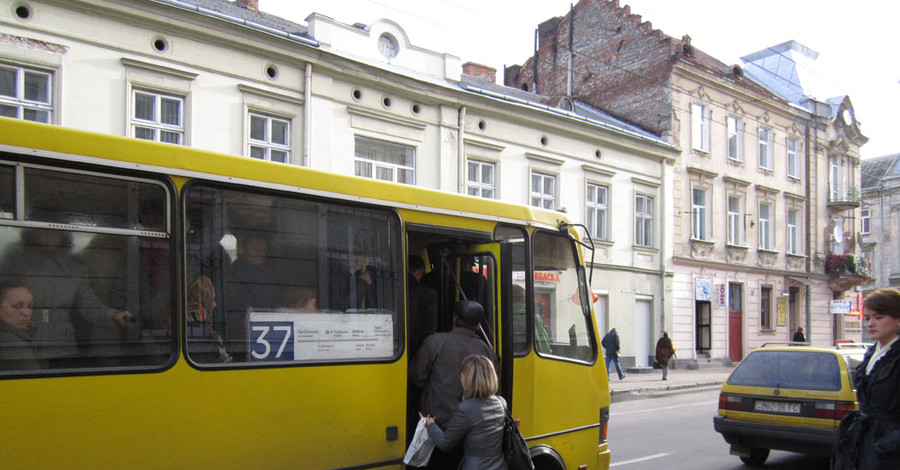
<point x="643" y="220"/>
<point x="765" y="307"/>
<point x="793" y="158"/>
<point x="480" y="179"/>
<point x="735" y="220"/>
<point x="793" y="231"/>
<point x="735" y="138"/>
<point x="597" y="210"/>
<point x="765" y="226"/>
<point x="543" y="190"/>
<point x="386" y="161"/>
<point x="699" y="215"/>
<point x="157" y="117"/>
<point x="765" y="148"/>
<point x="700" y="127"/>
<point x="270" y="138"/>
<point x="836" y="179"/>
<point x="865" y="219"/>
<point x="25" y="93"/>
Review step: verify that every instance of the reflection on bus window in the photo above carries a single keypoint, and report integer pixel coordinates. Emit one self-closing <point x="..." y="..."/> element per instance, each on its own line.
<point x="94" y="253"/>
<point x="562" y="319"/>
<point x="294" y="279"/>
<point x="517" y="237"/>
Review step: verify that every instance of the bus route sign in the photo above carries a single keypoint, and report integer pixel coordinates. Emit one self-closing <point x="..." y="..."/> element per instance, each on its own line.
<point x="287" y="336"/>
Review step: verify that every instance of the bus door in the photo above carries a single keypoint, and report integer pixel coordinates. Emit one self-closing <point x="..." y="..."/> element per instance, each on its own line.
<point x="480" y="273"/>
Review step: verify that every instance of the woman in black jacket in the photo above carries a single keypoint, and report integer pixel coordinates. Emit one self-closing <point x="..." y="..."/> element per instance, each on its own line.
<point x="869" y="439"/>
<point x="477" y="421"/>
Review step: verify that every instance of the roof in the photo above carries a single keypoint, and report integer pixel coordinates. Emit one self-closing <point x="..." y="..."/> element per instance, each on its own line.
<point x="874" y="170"/>
<point x="788" y="69"/>
<point x="233" y="11"/>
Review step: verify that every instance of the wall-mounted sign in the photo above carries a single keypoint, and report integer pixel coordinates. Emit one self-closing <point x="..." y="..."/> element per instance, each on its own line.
<point x="839" y="307"/>
<point x="703" y="289"/>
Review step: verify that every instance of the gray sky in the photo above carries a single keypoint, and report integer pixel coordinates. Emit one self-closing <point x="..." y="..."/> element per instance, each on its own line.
<point x="855" y="40"/>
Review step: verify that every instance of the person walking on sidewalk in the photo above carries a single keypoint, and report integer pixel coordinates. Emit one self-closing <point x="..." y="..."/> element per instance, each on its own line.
<point x="610" y="345"/>
<point x="664" y="352"/>
<point x="799" y="337"/>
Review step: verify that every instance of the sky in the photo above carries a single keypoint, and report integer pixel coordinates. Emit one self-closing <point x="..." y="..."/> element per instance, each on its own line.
<point x="855" y="40"/>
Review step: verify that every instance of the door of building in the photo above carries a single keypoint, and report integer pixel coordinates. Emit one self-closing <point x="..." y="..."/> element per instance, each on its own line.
<point x="735" y="322"/>
<point x="642" y="333"/>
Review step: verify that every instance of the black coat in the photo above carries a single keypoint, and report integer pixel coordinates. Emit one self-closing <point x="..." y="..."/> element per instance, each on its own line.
<point x="610" y="344"/>
<point x="869" y="439"/>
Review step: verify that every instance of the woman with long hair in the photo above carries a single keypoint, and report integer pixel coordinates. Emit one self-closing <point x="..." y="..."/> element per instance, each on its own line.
<point x="477" y="421"/>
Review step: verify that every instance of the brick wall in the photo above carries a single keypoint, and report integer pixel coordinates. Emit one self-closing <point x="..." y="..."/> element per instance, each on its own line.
<point x="621" y="64"/>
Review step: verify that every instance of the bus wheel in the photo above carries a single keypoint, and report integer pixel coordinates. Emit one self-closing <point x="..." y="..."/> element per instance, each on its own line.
<point x="545" y="458"/>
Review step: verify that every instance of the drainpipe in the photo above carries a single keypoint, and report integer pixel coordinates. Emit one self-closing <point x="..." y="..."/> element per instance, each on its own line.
<point x="307" y="117"/>
<point x="460" y="152"/>
<point x="662" y="249"/>
<point x="809" y="226"/>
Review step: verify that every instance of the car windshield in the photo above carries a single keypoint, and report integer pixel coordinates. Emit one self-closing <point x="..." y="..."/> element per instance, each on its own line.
<point x="788" y="369"/>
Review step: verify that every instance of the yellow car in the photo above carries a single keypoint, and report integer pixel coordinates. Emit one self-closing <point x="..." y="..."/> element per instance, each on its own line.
<point x="787" y="397"/>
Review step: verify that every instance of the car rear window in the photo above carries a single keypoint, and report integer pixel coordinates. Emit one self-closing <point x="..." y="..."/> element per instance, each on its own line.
<point x="788" y="369"/>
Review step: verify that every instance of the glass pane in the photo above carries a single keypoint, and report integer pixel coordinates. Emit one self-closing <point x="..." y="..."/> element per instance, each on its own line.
<point x="8" y="81"/>
<point x="9" y="111"/>
<point x="146" y="133"/>
<point x="258" y="152"/>
<point x="80" y="283"/>
<point x="144" y="107"/>
<point x="487" y="193"/>
<point x="562" y="324"/>
<point x="7" y="192"/>
<point x="170" y="137"/>
<point x="279" y="132"/>
<point x="472" y="172"/>
<point x="549" y="185"/>
<point x="36" y="115"/>
<point x="788" y="369"/>
<point x="384" y="174"/>
<point x="37" y="87"/>
<point x="279" y="156"/>
<point x="298" y="265"/>
<point x="472" y="191"/>
<point x="487" y="174"/>
<point x="171" y="111"/>
<point x="406" y="176"/>
<point x="535" y="183"/>
<point x="94" y="201"/>
<point x="363" y="169"/>
<point x="258" y="128"/>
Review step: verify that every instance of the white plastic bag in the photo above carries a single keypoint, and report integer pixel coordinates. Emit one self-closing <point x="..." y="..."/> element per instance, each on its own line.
<point x="419" y="452"/>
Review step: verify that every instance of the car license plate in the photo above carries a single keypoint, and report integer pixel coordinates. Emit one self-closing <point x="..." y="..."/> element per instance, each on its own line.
<point x="777" y="406"/>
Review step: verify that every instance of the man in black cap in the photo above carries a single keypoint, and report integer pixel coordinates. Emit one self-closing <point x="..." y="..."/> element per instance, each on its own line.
<point x="435" y="370"/>
<point x="436" y="367"/>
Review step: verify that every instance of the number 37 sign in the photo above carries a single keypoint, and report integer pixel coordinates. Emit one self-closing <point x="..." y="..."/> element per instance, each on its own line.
<point x="276" y="336"/>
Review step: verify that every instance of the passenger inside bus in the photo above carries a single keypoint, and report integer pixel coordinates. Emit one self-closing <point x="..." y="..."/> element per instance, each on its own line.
<point x="301" y="299"/>
<point x="67" y="306"/>
<point x="204" y="343"/>
<point x="422" y="305"/>
<point x="17" y="349"/>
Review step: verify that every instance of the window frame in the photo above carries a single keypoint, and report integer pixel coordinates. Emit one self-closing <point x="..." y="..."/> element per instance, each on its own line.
<point x="765" y="308"/>
<point x="156" y="125"/>
<point x="700" y="214"/>
<point x="736" y="228"/>
<point x="766" y="226"/>
<point x="20" y="101"/>
<point x="267" y="145"/>
<point x="643" y="220"/>
<point x="735" y="136"/>
<point x="865" y="221"/>
<point x="700" y="122"/>
<point x="540" y="199"/>
<point x="478" y="185"/>
<point x="596" y="211"/>
<point x="794" y="236"/>
<point x="766" y="150"/>
<point x="793" y="158"/>
<point x="382" y="164"/>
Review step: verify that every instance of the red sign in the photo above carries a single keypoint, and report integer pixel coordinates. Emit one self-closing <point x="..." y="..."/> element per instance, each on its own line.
<point x="546" y="276"/>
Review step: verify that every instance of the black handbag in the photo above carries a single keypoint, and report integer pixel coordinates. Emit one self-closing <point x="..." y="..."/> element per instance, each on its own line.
<point x="515" y="449"/>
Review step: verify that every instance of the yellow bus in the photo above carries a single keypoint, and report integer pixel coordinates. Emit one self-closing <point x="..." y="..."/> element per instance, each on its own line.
<point x="198" y="310"/>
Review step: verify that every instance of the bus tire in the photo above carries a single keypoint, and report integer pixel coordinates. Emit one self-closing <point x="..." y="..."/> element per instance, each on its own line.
<point x="545" y="458"/>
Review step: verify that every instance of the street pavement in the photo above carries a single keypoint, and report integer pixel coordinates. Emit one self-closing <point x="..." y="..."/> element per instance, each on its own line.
<point x="646" y="384"/>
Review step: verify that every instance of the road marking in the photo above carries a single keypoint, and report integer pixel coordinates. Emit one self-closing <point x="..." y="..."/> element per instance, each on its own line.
<point x="629" y="462"/>
<point x="705" y="403"/>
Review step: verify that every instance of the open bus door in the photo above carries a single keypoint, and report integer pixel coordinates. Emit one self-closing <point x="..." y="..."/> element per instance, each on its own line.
<point x="483" y="273"/>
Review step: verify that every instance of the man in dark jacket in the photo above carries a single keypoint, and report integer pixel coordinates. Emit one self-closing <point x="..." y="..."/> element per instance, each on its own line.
<point x="610" y="345"/>
<point x="436" y="369"/>
<point x="423" y="302"/>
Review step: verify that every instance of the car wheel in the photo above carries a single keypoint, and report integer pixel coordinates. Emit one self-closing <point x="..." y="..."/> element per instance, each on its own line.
<point x="756" y="458"/>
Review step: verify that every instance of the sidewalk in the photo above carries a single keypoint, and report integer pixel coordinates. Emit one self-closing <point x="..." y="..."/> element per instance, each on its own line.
<point x="640" y="385"/>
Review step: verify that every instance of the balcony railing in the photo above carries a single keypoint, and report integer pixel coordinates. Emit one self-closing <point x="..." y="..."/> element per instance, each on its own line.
<point x="843" y="196"/>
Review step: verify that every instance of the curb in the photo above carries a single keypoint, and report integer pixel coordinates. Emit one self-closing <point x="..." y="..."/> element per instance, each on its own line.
<point x="644" y="392"/>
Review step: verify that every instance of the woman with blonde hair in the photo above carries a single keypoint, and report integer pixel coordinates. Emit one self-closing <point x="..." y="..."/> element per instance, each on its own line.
<point x="477" y="421"/>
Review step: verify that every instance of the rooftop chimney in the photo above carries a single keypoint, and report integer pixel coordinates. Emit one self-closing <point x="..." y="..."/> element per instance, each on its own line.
<point x="480" y="71"/>
<point x="248" y="4"/>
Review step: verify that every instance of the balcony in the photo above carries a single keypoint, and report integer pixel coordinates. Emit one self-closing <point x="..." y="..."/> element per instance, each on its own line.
<point x="846" y="271"/>
<point x="842" y="197"/>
